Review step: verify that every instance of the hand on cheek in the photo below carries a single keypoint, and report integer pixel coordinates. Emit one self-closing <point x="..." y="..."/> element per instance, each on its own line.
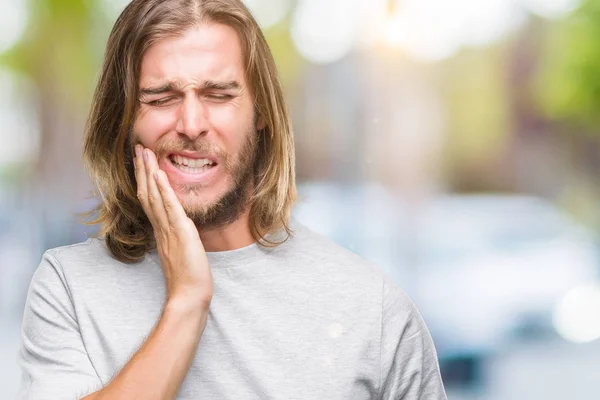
<point x="183" y="259"/>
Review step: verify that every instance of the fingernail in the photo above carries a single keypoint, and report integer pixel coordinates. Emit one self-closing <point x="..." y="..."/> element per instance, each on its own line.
<point x="137" y="150"/>
<point x="145" y="154"/>
<point x="155" y="174"/>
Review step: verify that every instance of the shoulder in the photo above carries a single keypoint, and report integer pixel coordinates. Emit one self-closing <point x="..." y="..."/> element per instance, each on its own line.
<point x="90" y="259"/>
<point x="312" y="246"/>
<point x="310" y="251"/>
<point x="91" y="247"/>
<point x="87" y="271"/>
<point x="58" y="270"/>
<point x="356" y="277"/>
<point x="91" y="251"/>
<point x="316" y="250"/>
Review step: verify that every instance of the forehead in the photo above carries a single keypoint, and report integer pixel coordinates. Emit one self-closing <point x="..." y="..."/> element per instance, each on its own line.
<point x="206" y="52"/>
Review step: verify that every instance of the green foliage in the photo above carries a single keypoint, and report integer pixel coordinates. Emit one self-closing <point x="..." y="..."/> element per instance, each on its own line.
<point x="568" y="86"/>
<point x="60" y="47"/>
<point x="478" y="116"/>
<point x="64" y="42"/>
<point x="289" y="63"/>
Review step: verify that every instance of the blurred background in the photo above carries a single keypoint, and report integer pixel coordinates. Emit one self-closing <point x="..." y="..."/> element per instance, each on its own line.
<point x="455" y="143"/>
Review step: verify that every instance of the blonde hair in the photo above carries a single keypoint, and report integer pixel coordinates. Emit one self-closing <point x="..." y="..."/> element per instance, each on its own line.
<point x="107" y="149"/>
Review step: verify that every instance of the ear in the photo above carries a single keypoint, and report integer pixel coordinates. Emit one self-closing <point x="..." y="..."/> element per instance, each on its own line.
<point x="260" y="123"/>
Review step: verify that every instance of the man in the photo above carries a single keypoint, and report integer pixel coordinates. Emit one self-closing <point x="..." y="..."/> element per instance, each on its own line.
<point x="201" y="286"/>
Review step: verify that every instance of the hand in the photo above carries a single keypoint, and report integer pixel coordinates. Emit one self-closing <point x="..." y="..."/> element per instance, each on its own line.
<point x="182" y="255"/>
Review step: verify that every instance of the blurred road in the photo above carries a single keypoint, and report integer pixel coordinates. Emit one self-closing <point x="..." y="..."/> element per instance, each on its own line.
<point x="552" y="370"/>
<point x="533" y="371"/>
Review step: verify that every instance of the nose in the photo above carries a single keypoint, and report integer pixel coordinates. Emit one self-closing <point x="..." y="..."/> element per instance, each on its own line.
<point x="193" y="118"/>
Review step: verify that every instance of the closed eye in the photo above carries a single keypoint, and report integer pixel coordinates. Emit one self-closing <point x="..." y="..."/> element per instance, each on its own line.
<point x="161" y="102"/>
<point x="219" y="97"/>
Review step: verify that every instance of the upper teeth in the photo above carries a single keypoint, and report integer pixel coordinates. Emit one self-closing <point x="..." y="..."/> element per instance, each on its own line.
<point x="191" y="162"/>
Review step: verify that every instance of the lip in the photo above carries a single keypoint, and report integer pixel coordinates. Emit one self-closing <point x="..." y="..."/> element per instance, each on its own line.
<point x="176" y="176"/>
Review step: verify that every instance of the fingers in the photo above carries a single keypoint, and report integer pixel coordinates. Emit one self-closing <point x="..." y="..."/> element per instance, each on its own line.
<point x="142" y="184"/>
<point x="154" y="197"/>
<point x="174" y="210"/>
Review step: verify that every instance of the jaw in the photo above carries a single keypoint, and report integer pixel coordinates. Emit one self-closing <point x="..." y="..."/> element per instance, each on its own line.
<point x="198" y="197"/>
<point x="213" y="209"/>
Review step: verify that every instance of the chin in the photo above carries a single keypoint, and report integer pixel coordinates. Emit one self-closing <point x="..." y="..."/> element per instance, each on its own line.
<point x="213" y="205"/>
<point x="197" y="202"/>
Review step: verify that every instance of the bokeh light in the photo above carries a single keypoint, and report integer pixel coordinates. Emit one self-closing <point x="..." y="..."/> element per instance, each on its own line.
<point x="268" y="12"/>
<point x="20" y="126"/>
<point x="324" y="32"/>
<point x="13" y="22"/>
<point x="577" y="315"/>
<point x="551" y="8"/>
<point x="432" y="30"/>
<point x="113" y="7"/>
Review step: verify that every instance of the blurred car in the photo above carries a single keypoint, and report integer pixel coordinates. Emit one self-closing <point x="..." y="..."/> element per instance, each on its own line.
<point x="484" y="270"/>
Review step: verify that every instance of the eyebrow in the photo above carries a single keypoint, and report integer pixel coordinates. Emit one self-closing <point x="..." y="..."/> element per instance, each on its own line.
<point x="169" y="87"/>
<point x="174" y="87"/>
<point x="221" y="85"/>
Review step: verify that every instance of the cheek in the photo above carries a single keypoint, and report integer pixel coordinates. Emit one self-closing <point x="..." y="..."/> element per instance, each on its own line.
<point x="151" y="125"/>
<point x="232" y="126"/>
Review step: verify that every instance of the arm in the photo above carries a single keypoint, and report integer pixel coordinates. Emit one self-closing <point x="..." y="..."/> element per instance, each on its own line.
<point x="409" y="363"/>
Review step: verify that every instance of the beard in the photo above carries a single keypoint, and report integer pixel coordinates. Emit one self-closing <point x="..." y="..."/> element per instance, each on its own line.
<point x="227" y="208"/>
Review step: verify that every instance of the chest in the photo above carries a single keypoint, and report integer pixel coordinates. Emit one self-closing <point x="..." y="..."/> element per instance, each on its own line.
<point x="267" y="341"/>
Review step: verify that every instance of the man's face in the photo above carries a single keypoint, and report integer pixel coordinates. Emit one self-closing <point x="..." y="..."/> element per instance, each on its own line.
<point x="197" y="114"/>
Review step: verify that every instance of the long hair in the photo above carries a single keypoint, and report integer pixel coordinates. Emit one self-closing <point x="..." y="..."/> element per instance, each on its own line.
<point x="107" y="149"/>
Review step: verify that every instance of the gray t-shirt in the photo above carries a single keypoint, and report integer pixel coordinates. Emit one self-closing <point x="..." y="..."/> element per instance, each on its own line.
<point x="304" y="320"/>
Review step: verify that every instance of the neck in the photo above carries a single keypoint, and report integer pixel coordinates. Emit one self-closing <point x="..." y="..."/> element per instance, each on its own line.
<point x="233" y="236"/>
<point x="229" y="237"/>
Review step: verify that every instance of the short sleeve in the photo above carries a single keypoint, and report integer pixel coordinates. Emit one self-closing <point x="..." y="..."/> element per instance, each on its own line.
<point x="53" y="359"/>
<point x="409" y="363"/>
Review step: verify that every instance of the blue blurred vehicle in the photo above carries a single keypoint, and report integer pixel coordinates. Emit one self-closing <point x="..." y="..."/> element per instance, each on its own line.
<point x="485" y="270"/>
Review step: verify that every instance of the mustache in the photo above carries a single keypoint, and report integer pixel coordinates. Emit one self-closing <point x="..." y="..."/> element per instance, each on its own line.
<point x="172" y="146"/>
<point x="169" y="146"/>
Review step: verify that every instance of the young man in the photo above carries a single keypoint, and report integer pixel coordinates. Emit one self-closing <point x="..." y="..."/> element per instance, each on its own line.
<point x="201" y="287"/>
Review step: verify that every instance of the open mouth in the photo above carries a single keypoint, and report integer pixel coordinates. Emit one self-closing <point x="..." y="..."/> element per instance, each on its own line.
<point x="191" y="165"/>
